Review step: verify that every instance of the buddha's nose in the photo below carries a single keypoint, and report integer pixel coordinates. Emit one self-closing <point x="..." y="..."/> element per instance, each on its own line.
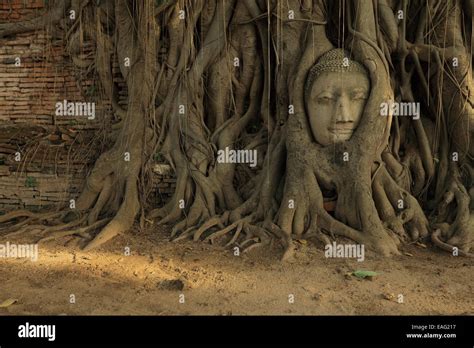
<point x="343" y="110"/>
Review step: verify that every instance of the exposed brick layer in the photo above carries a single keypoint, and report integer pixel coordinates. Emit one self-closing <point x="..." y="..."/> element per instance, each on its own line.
<point x="56" y="151"/>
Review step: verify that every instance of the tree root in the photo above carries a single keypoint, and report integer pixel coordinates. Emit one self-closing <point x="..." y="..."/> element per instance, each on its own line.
<point x="457" y="230"/>
<point x="81" y="230"/>
<point x="436" y="239"/>
<point x="33" y="216"/>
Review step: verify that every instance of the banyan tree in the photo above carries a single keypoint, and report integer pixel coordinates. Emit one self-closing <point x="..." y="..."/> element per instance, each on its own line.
<point x="281" y="119"/>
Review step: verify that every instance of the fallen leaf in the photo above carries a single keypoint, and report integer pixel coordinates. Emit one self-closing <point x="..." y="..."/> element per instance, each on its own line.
<point x="364" y="274"/>
<point x="408" y="254"/>
<point x="53" y="137"/>
<point x="171" y="284"/>
<point x="66" y="137"/>
<point x="8" y="303"/>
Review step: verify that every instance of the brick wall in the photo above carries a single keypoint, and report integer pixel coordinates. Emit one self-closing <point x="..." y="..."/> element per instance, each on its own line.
<point x="56" y="152"/>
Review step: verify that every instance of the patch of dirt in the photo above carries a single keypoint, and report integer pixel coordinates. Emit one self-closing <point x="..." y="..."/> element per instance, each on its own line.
<point x="154" y="277"/>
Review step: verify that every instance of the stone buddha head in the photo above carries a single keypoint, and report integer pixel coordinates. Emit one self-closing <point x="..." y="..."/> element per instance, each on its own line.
<point x="336" y="91"/>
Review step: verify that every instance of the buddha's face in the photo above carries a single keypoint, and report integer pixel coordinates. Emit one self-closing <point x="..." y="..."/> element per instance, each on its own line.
<point x="335" y="106"/>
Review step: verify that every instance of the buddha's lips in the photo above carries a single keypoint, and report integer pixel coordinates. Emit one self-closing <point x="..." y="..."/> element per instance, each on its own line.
<point x="341" y="130"/>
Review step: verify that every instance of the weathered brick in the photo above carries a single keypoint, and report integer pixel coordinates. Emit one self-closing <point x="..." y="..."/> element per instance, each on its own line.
<point x="27" y="97"/>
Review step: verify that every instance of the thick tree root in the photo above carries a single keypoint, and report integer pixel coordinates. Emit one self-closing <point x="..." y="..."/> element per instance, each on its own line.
<point x="435" y="238"/>
<point x="454" y="222"/>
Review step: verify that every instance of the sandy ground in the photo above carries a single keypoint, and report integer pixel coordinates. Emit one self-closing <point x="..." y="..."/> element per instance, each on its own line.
<point x="152" y="280"/>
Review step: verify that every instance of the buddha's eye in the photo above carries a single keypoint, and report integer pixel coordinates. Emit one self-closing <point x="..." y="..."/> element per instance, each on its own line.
<point x="359" y="96"/>
<point x="325" y="98"/>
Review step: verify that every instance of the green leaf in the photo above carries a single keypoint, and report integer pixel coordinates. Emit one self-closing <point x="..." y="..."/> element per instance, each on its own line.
<point x="160" y="2"/>
<point x="364" y="274"/>
<point x="158" y="157"/>
<point x="91" y="90"/>
<point x="30" y="182"/>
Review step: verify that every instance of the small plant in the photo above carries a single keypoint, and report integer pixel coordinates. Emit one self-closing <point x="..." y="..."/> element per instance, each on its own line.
<point x="253" y="127"/>
<point x="158" y="157"/>
<point x="31" y="182"/>
<point x="159" y="2"/>
<point x="91" y="90"/>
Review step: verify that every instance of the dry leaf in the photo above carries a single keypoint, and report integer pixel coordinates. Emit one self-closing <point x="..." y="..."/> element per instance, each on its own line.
<point x="66" y="137"/>
<point x="53" y="137"/>
<point x="8" y="303"/>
